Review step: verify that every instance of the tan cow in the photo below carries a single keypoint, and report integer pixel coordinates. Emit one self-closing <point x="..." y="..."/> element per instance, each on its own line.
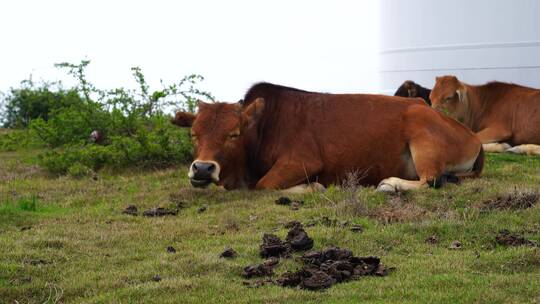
<point x="280" y="138"/>
<point x="505" y="117"/>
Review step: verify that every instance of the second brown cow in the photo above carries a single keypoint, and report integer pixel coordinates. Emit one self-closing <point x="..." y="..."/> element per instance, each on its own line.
<point x="505" y="116"/>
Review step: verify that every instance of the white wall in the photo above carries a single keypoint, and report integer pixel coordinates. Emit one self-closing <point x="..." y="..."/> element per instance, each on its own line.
<point x="478" y="41"/>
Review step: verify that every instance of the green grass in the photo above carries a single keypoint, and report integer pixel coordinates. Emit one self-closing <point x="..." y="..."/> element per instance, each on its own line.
<point x="92" y="253"/>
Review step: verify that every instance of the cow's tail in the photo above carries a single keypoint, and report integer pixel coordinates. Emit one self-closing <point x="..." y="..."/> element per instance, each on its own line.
<point x="455" y="178"/>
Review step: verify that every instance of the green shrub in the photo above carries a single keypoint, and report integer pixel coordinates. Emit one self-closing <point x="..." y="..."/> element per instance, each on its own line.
<point x="13" y="140"/>
<point x="158" y="145"/>
<point x="134" y="129"/>
<point x="32" y="101"/>
<point x="78" y="170"/>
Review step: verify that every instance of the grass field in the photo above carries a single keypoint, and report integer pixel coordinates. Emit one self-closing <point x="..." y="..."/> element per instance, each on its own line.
<point x="65" y="240"/>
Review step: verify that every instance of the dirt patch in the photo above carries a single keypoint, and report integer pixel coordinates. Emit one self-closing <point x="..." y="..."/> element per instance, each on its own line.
<point x="511" y="201"/>
<point x="455" y="245"/>
<point x="202" y="209"/>
<point x="327" y="222"/>
<point x="293" y="204"/>
<point x="37" y="262"/>
<point x="159" y="211"/>
<point x="507" y="238"/>
<point x="398" y="210"/>
<point x="131" y="210"/>
<point x="228" y="253"/>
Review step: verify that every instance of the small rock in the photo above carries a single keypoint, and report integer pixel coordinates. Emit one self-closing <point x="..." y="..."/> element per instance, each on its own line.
<point x="171" y="249"/>
<point x="131" y="210"/>
<point x="295" y="205"/>
<point x="202" y="209"/>
<point x="433" y="239"/>
<point x="357" y="228"/>
<point x="283" y="201"/>
<point x="455" y="245"/>
<point x="292" y="224"/>
<point x="273" y="261"/>
<point x="228" y="253"/>
<point x="35" y="262"/>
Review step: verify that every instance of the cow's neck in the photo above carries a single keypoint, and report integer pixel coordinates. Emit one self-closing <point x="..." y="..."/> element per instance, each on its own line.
<point x="475" y="107"/>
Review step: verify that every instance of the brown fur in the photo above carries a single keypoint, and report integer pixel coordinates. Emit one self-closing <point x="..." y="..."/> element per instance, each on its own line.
<point x="496" y="111"/>
<point x="289" y="137"/>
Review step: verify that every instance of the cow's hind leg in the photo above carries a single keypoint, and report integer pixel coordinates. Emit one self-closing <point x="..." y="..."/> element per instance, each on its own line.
<point x="428" y="162"/>
<point x="528" y="149"/>
<point x="496" y="147"/>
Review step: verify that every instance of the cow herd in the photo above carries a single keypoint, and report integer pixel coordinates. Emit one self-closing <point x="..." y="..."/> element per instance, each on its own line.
<point x="284" y="138"/>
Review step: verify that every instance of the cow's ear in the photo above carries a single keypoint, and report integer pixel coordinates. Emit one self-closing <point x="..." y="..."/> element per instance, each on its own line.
<point x="183" y="119"/>
<point x="462" y="94"/>
<point x="254" y="111"/>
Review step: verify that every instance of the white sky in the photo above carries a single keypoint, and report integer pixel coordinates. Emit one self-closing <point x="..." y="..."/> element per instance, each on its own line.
<point x="329" y="46"/>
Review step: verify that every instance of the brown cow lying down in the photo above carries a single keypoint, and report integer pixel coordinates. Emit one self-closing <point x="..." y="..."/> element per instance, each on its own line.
<point x="502" y="114"/>
<point x="412" y="89"/>
<point x="280" y="138"/>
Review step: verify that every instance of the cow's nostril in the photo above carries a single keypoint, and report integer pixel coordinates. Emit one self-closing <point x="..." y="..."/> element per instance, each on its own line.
<point x="211" y="168"/>
<point x="195" y="168"/>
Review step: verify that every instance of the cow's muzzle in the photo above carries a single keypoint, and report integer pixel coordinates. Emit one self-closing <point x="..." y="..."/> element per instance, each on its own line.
<point x="203" y="173"/>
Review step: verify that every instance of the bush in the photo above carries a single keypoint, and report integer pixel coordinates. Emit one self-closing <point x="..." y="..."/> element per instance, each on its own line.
<point x="12" y="140"/>
<point x="32" y="101"/>
<point x="133" y="127"/>
<point x="158" y="145"/>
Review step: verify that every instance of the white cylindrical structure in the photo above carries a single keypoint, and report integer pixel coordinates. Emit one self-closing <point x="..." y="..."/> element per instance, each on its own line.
<point x="476" y="40"/>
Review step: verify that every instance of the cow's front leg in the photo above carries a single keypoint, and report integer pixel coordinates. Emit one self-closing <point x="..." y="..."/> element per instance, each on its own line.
<point x="288" y="174"/>
<point x="493" y="139"/>
<point x="305" y="188"/>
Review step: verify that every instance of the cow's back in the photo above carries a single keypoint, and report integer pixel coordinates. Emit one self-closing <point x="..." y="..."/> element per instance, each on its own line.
<point x="526" y="117"/>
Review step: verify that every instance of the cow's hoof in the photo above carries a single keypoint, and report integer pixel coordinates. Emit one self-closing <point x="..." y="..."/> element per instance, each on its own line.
<point x="506" y="146"/>
<point x="386" y="188"/>
<point x="515" y="150"/>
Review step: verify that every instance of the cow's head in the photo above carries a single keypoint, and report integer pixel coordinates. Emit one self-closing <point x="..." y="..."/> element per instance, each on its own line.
<point x="449" y="96"/>
<point x="218" y="135"/>
<point x="407" y="89"/>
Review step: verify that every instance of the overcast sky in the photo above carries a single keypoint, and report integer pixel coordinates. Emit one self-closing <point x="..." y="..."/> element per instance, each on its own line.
<point x="327" y="46"/>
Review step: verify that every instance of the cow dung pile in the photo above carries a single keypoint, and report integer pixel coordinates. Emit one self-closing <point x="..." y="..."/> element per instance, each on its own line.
<point x="507" y="238"/>
<point x="320" y="269"/>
